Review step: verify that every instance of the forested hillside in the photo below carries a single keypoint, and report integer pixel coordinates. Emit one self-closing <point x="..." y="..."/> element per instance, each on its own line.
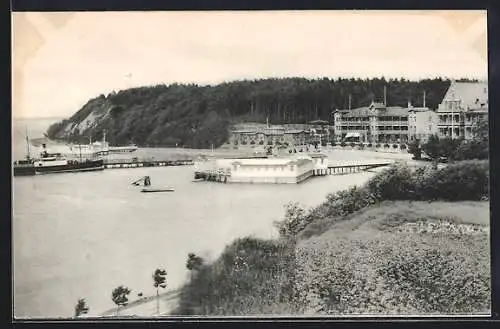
<point x="198" y="116"/>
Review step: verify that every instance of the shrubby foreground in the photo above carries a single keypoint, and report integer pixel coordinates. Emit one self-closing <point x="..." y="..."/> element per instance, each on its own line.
<point x="401" y="244"/>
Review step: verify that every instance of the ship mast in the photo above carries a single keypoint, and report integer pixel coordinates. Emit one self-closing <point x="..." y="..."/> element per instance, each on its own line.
<point x="103" y="141"/>
<point x="27" y="144"/>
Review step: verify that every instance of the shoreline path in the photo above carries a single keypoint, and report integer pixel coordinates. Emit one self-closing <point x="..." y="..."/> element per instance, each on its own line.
<point x="146" y="306"/>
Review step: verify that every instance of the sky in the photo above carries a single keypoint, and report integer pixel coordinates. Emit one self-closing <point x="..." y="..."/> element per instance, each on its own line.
<point x="61" y="60"/>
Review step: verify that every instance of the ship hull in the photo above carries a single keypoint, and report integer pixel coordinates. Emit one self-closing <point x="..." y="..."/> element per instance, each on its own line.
<point x="24" y="171"/>
<point x="71" y="167"/>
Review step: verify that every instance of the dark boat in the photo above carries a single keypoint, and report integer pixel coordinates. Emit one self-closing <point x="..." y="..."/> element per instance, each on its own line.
<point x="155" y="190"/>
<point x="24" y="167"/>
<point x="55" y="163"/>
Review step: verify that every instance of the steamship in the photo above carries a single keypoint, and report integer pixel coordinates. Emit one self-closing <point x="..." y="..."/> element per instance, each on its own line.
<point x="49" y="163"/>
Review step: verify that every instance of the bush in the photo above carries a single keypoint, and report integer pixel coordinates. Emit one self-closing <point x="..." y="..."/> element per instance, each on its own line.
<point x="333" y="143"/>
<point x="386" y="146"/>
<point x="377" y="145"/>
<point x="394" y="146"/>
<point x="394" y="183"/>
<point x="252" y="142"/>
<point x="343" y="144"/>
<point x="437" y="280"/>
<point x="345" y="202"/>
<point x="244" y="143"/>
<point x="370" y="144"/>
<point x="261" y="142"/>
<point x="415" y="149"/>
<point x="250" y="277"/>
<point x="352" y="144"/>
<point x="474" y="149"/>
<point x="295" y="220"/>
<point x="464" y="180"/>
<point x="403" y="147"/>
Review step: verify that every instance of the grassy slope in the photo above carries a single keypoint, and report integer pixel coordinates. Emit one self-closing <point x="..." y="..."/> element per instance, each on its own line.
<point x="396" y="258"/>
<point x="392" y="258"/>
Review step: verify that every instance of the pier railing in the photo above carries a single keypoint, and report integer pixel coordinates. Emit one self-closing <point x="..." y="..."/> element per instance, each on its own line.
<point x="348" y="168"/>
<point x="136" y="163"/>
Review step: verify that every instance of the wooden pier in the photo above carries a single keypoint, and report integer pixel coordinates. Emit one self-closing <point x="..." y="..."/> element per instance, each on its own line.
<point x="135" y="163"/>
<point x="348" y="169"/>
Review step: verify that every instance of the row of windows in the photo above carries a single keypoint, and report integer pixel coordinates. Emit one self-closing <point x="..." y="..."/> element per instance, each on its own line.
<point x="265" y="168"/>
<point x="382" y="128"/>
<point x="382" y="118"/>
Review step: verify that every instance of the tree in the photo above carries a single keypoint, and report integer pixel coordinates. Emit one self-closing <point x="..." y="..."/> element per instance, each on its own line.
<point x="159" y="278"/>
<point x="81" y="307"/>
<point x="415" y="149"/>
<point x="433" y="148"/>
<point x="295" y="219"/>
<point x="480" y="130"/>
<point x="119" y="296"/>
<point x="194" y="263"/>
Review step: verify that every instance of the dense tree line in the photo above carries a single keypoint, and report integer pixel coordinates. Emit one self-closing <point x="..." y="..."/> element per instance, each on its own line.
<point x="198" y="116"/>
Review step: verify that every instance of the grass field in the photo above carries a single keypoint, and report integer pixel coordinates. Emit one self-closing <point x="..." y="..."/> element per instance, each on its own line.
<point x="371" y="264"/>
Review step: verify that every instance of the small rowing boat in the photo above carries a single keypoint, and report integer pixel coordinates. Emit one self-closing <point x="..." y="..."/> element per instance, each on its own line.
<point x="154" y="190"/>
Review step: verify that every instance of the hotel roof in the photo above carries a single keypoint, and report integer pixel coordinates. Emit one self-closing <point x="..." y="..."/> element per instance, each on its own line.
<point x="470" y="94"/>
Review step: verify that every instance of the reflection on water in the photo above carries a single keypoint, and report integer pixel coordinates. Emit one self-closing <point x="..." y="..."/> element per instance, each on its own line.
<point x="83" y="234"/>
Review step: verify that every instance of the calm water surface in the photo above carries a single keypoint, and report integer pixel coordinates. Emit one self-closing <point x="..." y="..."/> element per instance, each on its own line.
<point x="82" y="234"/>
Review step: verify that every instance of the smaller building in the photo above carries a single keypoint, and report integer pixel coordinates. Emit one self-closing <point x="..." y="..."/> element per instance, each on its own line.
<point x="269" y="135"/>
<point x="284" y="170"/>
<point x="422" y="123"/>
